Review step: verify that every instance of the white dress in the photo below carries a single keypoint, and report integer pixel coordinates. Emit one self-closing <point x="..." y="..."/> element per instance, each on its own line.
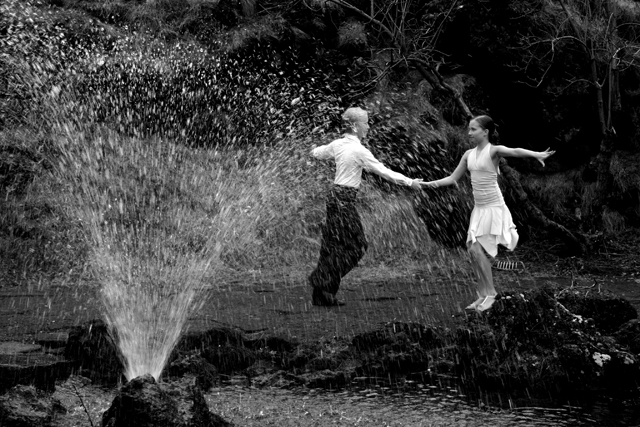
<point x="491" y="223"/>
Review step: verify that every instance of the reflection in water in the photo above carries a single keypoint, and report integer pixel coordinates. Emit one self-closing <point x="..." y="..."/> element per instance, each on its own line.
<point x="417" y="403"/>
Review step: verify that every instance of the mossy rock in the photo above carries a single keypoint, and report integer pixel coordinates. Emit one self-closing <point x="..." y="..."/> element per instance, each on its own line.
<point x="92" y="349"/>
<point x="533" y="340"/>
<point x="608" y="311"/>
<point x="629" y="335"/>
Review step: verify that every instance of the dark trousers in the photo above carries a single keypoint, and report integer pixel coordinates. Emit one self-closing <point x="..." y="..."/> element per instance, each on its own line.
<point x="343" y="240"/>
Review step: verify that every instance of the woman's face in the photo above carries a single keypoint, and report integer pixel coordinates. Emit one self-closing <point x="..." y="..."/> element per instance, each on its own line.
<point x="476" y="133"/>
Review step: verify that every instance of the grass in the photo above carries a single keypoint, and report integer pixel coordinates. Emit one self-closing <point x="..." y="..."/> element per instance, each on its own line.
<point x="266" y="213"/>
<point x="558" y="192"/>
<point x="246" y="208"/>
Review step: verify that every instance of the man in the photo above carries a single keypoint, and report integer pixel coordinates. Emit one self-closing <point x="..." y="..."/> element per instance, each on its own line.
<point x="343" y="239"/>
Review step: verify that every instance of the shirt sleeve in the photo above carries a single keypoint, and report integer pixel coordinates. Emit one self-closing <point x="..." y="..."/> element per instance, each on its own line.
<point x="371" y="164"/>
<point x="323" y="152"/>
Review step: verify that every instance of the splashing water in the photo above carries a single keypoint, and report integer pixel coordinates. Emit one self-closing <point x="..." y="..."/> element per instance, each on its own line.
<point x="151" y="251"/>
<point x="148" y="313"/>
<point x="162" y="216"/>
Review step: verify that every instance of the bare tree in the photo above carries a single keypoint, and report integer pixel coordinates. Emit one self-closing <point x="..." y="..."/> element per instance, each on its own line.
<point x="416" y="45"/>
<point x="595" y="26"/>
<point x="412" y="43"/>
<point x="605" y="33"/>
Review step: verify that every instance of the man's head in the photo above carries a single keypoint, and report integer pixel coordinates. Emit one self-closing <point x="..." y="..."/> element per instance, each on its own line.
<point x="357" y="121"/>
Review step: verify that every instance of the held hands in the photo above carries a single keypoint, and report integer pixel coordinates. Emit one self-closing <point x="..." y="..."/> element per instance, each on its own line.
<point x="418" y="183"/>
<point x="543" y="155"/>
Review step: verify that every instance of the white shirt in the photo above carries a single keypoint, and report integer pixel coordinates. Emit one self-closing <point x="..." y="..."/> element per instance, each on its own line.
<point x="351" y="158"/>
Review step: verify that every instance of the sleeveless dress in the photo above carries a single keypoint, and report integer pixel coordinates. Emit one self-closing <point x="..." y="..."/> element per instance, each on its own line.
<point x="491" y="223"/>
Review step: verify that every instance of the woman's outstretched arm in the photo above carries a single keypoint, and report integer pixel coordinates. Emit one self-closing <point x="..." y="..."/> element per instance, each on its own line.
<point x="541" y="156"/>
<point x="454" y="177"/>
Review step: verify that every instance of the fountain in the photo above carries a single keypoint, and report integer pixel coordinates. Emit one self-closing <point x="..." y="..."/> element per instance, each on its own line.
<point x="158" y="162"/>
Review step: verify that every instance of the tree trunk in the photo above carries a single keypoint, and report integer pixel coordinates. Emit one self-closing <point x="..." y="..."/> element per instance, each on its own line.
<point x="604" y="182"/>
<point x="436" y="80"/>
<point x="426" y="69"/>
<point x="576" y="243"/>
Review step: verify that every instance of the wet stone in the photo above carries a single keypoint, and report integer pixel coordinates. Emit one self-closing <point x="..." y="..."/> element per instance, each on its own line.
<point x="93" y="352"/>
<point x="608" y="311"/>
<point x="280" y="379"/>
<point x="205" y="373"/>
<point x="41" y="370"/>
<point x="629" y="335"/>
<point x="228" y="359"/>
<point x="13" y="347"/>
<point x="24" y="406"/>
<point x="52" y="340"/>
<point x="142" y="402"/>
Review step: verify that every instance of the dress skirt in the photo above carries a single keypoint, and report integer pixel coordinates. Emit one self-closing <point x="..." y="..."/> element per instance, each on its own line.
<point x="492" y="226"/>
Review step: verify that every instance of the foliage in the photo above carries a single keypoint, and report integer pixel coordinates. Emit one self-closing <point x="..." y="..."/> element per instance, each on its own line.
<point x="277" y="86"/>
<point x="251" y="97"/>
<point x="550" y="339"/>
<point x="559" y="65"/>
<point x="406" y="140"/>
<point x="109" y="111"/>
<point x="37" y="238"/>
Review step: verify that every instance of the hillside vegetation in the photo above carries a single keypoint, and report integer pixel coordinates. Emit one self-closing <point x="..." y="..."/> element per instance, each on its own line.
<point x="179" y="130"/>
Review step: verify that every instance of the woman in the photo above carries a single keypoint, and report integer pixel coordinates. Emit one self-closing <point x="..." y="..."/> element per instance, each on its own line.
<point x="343" y="240"/>
<point x="491" y="223"/>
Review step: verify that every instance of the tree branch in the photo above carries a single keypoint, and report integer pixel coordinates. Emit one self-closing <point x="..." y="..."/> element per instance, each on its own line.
<point x="426" y="69"/>
<point x="576" y="243"/>
<point x="369" y="18"/>
<point x="436" y="80"/>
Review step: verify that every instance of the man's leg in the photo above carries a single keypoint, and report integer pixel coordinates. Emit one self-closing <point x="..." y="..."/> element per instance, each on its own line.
<point x="354" y="243"/>
<point x="325" y="278"/>
<point x="343" y="245"/>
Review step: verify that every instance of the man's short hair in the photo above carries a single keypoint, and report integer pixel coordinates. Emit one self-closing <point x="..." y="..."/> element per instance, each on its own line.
<point x="355" y="115"/>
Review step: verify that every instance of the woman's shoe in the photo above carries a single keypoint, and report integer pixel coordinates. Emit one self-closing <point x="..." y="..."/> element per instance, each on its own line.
<point x="486" y="303"/>
<point x="475" y="304"/>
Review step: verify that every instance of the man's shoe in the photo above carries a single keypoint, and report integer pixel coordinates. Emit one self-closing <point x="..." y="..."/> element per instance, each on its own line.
<point x="326" y="299"/>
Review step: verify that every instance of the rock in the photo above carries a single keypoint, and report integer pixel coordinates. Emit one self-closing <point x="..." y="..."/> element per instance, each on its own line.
<point x="228" y="358"/>
<point x="536" y="341"/>
<point x="397" y="349"/>
<point x="210" y="338"/>
<point x="94" y="354"/>
<point x="52" y="340"/>
<point x="608" y="311"/>
<point x="41" y="370"/>
<point x="397" y="332"/>
<point x="24" y="406"/>
<point x="144" y="403"/>
<point x="201" y="416"/>
<point x="326" y="379"/>
<point x="205" y="373"/>
<point x="12" y="347"/>
<point x="629" y="335"/>
<point x="621" y="374"/>
<point x="224" y="348"/>
<point x="280" y="379"/>
<point x="276" y="344"/>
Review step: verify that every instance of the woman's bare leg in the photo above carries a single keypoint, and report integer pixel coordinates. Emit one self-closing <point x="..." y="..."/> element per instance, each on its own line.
<point x="482" y="268"/>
